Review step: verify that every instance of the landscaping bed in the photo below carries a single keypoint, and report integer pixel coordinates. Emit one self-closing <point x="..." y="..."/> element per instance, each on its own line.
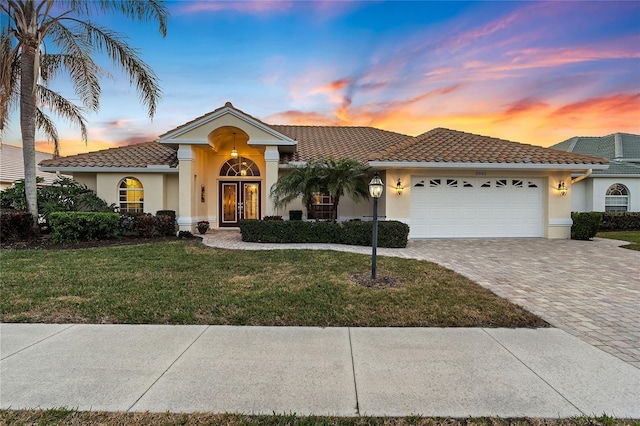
<point x="184" y="282"/>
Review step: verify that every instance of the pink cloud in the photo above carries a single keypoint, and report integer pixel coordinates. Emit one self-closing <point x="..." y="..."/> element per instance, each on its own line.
<point x="252" y="7"/>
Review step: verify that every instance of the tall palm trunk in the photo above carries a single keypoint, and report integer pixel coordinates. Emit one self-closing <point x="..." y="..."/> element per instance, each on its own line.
<point x="28" y="126"/>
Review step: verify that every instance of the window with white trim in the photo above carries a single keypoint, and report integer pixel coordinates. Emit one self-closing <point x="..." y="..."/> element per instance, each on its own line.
<point x="616" y="198"/>
<point x="131" y="195"/>
<point x="322" y="206"/>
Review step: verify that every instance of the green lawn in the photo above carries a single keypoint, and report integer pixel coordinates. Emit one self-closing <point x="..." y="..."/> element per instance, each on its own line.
<point x="632" y="236"/>
<point x="72" y="417"/>
<point x="183" y="282"/>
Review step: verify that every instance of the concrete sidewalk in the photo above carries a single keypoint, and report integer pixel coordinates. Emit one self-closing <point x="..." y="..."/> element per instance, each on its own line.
<point x="456" y="372"/>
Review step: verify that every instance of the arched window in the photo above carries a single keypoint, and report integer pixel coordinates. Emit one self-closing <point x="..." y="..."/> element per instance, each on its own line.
<point x="239" y="167"/>
<point x="131" y="195"/>
<point x="617" y="198"/>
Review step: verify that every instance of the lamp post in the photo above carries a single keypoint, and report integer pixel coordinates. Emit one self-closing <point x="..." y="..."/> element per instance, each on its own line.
<point x="375" y="190"/>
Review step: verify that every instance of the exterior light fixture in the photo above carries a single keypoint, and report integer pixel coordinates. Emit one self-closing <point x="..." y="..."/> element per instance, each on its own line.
<point x="375" y="190"/>
<point x="234" y="152"/>
<point x="399" y="187"/>
<point x="562" y="189"/>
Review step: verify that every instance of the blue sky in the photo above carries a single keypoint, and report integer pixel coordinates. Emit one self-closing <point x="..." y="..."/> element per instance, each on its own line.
<point x="533" y="72"/>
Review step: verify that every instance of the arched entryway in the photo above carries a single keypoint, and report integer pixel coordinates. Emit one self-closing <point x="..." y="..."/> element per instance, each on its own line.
<point x="240" y="191"/>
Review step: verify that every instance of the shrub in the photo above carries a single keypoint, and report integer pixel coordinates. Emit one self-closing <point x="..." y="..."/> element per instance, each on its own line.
<point x="620" y="221"/>
<point x="185" y="234"/>
<point x="585" y="225"/>
<point x="165" y="224"/>
<point x="71" y="227"/>
<point x="272" y="218"/>
<point x="295" y="214"/>
<point x="390" y="233"/>
<point x="146" y="225"/>
<point x="129" y="224"/>
<point x="16" y="226"/>
<point x="170" y="213"/>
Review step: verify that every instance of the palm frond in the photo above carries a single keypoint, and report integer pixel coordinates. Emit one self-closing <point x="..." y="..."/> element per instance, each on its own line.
<point x="121" y="54"/>
<point x="44" y="123"/>
<point x="64" y="108"/>
<point x="141" y="11"/>
<point x="77" y="61"/>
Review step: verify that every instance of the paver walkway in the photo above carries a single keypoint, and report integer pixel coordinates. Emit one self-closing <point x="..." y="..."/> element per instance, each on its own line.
<point x="590" y="289"/>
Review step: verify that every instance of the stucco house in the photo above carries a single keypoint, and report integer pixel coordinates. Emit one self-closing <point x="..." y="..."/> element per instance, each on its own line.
<point x="614" y="189"/>
<point x="444" y="183"/>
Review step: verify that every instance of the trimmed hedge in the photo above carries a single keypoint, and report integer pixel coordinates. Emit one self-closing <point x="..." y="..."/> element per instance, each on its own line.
<point x="390" y="233"/>
<point x="71" y="227"/>
<point x="16" y="226"/>
<point x="620" y="221"/>
<point x="585" y="225"/>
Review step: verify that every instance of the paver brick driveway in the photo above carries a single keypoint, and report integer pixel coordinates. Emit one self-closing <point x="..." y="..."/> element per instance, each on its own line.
<point x="590" y="289"/>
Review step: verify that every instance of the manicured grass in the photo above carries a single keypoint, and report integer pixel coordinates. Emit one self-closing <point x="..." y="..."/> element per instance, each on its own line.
<point x="186" y="283"/>
<point x="631" y="236"/>
<point x="72" y="417"/>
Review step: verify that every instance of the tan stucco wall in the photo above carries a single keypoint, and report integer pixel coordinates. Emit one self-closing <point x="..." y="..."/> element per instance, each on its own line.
<point x="88" y="179"/>
<point x="153" y="184"/>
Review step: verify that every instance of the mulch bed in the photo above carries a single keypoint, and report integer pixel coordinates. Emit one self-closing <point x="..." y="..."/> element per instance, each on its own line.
<point x="46" y="243"/>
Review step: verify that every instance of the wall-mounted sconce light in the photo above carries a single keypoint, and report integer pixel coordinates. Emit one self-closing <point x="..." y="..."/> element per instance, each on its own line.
<point x="562" y="189"/>
<point x="234" y="152"/>
<point x="399" y="187"/>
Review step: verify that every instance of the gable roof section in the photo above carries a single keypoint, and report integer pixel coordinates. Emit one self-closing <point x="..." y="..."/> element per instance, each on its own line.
<point x="316" y="142"/>
<point x="174" y="136"/>
<point x="454" y="147"/>
<point x="148" y="155"/>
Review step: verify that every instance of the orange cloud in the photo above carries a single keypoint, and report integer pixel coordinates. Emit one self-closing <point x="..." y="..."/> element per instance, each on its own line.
<point x="76" y="146"/>
<point x="302" y="118"/>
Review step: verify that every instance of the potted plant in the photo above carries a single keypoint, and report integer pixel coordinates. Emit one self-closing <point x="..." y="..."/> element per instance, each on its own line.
<point x="203" y="226"/>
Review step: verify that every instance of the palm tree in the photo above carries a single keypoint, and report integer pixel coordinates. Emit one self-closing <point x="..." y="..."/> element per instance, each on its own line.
<point x="301" y="181"/>
<point x="45" y="38"/>
<point x="335" y="177"/>
<point x="345" y="176"/>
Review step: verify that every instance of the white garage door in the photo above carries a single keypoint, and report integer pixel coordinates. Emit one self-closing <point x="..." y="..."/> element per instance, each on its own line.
<point x="476" y="207"/>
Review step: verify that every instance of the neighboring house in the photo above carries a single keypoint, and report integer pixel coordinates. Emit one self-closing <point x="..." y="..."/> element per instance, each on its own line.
<point x="614" y="189"/>
<point x="443" y="183"/>
<point x="12" y="166"/>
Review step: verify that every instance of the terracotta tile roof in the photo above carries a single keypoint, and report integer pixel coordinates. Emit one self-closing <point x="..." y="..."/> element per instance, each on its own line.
<point x="315" y="142"/>
<point x="138" y="155"/>
<point x="451" y="146"/>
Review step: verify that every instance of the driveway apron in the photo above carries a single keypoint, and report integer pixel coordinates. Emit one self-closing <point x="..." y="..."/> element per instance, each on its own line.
<point x="590" y="289"/>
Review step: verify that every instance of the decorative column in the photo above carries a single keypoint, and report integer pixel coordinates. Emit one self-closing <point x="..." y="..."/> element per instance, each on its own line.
<point x="185" y="191"/>
<point x="272" y="159"/>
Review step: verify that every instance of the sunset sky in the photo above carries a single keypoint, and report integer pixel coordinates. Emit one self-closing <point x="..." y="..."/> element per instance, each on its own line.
<point x="532" y="72"/>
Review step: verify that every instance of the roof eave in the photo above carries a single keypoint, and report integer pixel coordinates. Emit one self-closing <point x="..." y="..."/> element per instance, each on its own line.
<point x="485" y="166"/>
<point x="78" y="169"/>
